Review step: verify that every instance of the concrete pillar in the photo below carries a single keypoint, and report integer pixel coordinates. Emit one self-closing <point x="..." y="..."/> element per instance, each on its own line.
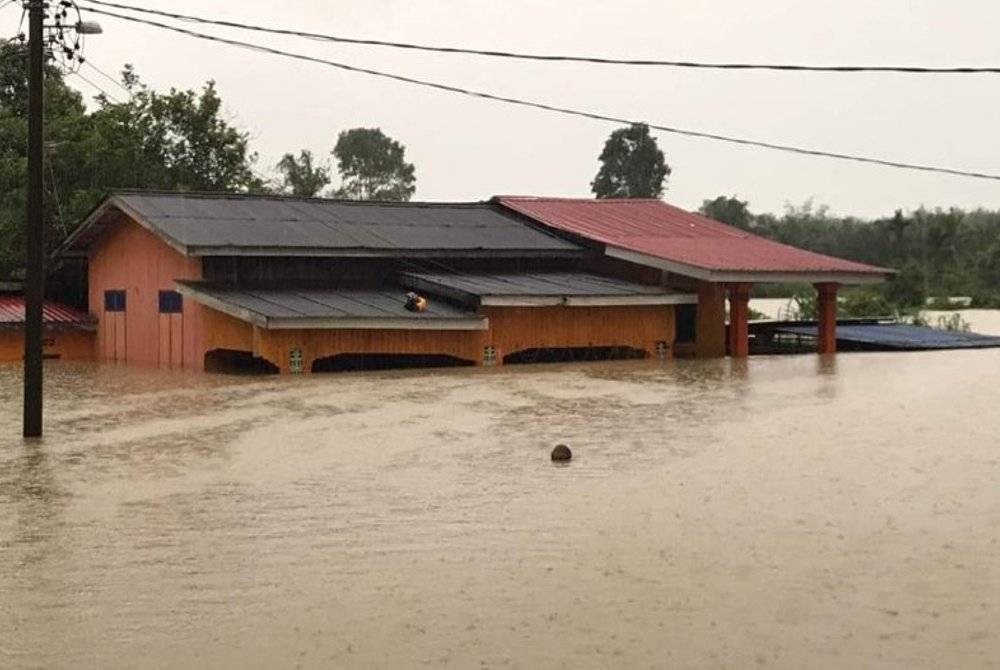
<point x="739" y="316"/>
<point x="826" y="306"/>
<point x="710" y="322"/>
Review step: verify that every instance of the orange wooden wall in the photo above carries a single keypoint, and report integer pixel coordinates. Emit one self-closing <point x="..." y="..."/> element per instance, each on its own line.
<point x="511" y="329"/>
<point x="69" y="345"/>
<point x="642" y="326"/>
<point x="276" y="345"/>
<point x="132" y="259"/>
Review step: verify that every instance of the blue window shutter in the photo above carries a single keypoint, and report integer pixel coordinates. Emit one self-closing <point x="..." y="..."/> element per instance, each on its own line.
<point x="114" y="301"/>
<point x="171" y="302"/>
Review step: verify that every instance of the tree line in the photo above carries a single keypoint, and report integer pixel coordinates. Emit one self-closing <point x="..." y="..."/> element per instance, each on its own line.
<point x="938" y="253"/>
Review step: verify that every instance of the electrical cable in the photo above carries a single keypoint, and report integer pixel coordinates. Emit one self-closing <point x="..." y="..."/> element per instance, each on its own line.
<point x="107" y="76"/>
<point x="898" y="69"/>
<point x="95" y="86"/>
<point x="561" y="110"/>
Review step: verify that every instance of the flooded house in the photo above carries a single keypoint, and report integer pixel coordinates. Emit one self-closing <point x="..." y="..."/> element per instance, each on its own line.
<point x="288" y="284"/>
<point x="67" y="332"/>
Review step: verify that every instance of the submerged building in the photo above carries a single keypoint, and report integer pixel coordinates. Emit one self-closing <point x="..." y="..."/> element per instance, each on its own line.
<point x="272" y="283"/>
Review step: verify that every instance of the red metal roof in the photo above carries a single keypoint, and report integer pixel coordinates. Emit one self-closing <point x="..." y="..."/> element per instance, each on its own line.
<point x="12" y="312"/>
<point x="654" y="228"/>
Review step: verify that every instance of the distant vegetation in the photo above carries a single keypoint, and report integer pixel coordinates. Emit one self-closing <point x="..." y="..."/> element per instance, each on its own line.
<point x="937" y="252"/>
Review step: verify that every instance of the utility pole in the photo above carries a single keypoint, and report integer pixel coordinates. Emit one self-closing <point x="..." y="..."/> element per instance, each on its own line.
<point x="34" y="284"/>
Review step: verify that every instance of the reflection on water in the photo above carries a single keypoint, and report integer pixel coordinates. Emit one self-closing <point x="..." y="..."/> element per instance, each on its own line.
<point x="821" y="512"/>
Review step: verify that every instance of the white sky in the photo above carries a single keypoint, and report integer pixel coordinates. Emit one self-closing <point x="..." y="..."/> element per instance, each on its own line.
<point x="466" y="149"/>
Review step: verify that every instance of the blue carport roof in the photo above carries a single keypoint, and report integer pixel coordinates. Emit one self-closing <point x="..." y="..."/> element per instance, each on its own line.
<point x="901" y="336"/>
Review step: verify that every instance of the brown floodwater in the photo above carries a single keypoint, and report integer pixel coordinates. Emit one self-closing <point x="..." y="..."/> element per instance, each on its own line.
<point x="790" y="512"/>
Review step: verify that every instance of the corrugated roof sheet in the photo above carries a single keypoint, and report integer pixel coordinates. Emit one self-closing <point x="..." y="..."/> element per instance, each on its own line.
<point x="324" y="303"/>
<point x="536" y="284"/>
<point x="203" y="223"/>
<point x="53" y="313"/>
<point x="901" y="336"/>
<point x="654" y="228"/>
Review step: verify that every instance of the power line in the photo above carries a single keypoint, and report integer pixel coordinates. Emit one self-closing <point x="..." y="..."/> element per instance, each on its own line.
<point x="556" y="109"/>
<point x="107" y="76"/>
<point x="898" y="69"/>
<point x="95" y="86"/>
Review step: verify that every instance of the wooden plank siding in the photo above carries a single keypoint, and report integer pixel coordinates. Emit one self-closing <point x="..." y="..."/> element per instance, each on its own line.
<point x="131" y="259"/>
<point x="276" y="345"/>
<point x="515" y="329"/>
<point x="512" y="329"/>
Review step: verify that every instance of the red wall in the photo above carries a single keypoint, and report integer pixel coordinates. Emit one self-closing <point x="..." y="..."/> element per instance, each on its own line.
<point x="132" y="259"/>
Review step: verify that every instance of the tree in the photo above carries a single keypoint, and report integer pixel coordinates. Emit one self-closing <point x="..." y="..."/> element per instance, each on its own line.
<point x="632" y="166"/>
<point x="372" y="166"/>
<point x="732" y="211"/>
<point x="171" y="141"/>
<point x="300" y="176"/>
<point x="65" y="164"/>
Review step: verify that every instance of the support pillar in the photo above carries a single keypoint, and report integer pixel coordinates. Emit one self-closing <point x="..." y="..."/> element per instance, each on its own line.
<point x="826" y="305"/>
<point x="739" y="316"/>
<point x="710" y="324"/>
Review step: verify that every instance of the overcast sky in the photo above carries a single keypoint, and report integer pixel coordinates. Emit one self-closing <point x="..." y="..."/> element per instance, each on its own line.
<point x="467" y="149"/>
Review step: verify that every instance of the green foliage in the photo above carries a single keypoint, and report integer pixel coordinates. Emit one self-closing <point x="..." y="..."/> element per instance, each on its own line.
<point x="732" y="211"/>
<point x="300" y="176"/>
<point x="172" y="141"/>
<point x="907" y="288"/>
<point x="64" y="155"/>
<point x="862" y="303"/>
<point x="632" y="165"/>
<point x="804" y="307"/>
<point x="936" y="252"/>
<point x="856" y="303"/>
<point x="373" y="167"/>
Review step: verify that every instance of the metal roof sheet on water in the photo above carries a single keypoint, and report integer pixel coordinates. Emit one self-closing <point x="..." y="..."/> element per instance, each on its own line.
<point x="223" y="224"/>
<point x="901" y="336"/>
<point x="656" y="229"/>
<point x="329" y="307"/>
<point x="562" y="287"/>
<point x="53" y="313"/>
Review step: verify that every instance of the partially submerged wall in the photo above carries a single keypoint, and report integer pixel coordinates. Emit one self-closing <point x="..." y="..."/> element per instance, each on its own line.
<point x="131" y="259"/>
<point x="67" y="345"/>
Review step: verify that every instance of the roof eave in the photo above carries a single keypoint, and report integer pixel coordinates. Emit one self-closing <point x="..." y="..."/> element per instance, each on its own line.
<point x="234" y="250"/>
<point x="876" y="276"/>
<point x="112" y="201"/>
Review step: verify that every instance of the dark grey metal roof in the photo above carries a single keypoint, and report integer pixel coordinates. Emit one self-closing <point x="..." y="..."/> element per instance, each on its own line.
<point x="550" y="287"/>
<point x="328" y="308"/>
<point x="899" y="336"/>
<point x="219" y="224"/>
